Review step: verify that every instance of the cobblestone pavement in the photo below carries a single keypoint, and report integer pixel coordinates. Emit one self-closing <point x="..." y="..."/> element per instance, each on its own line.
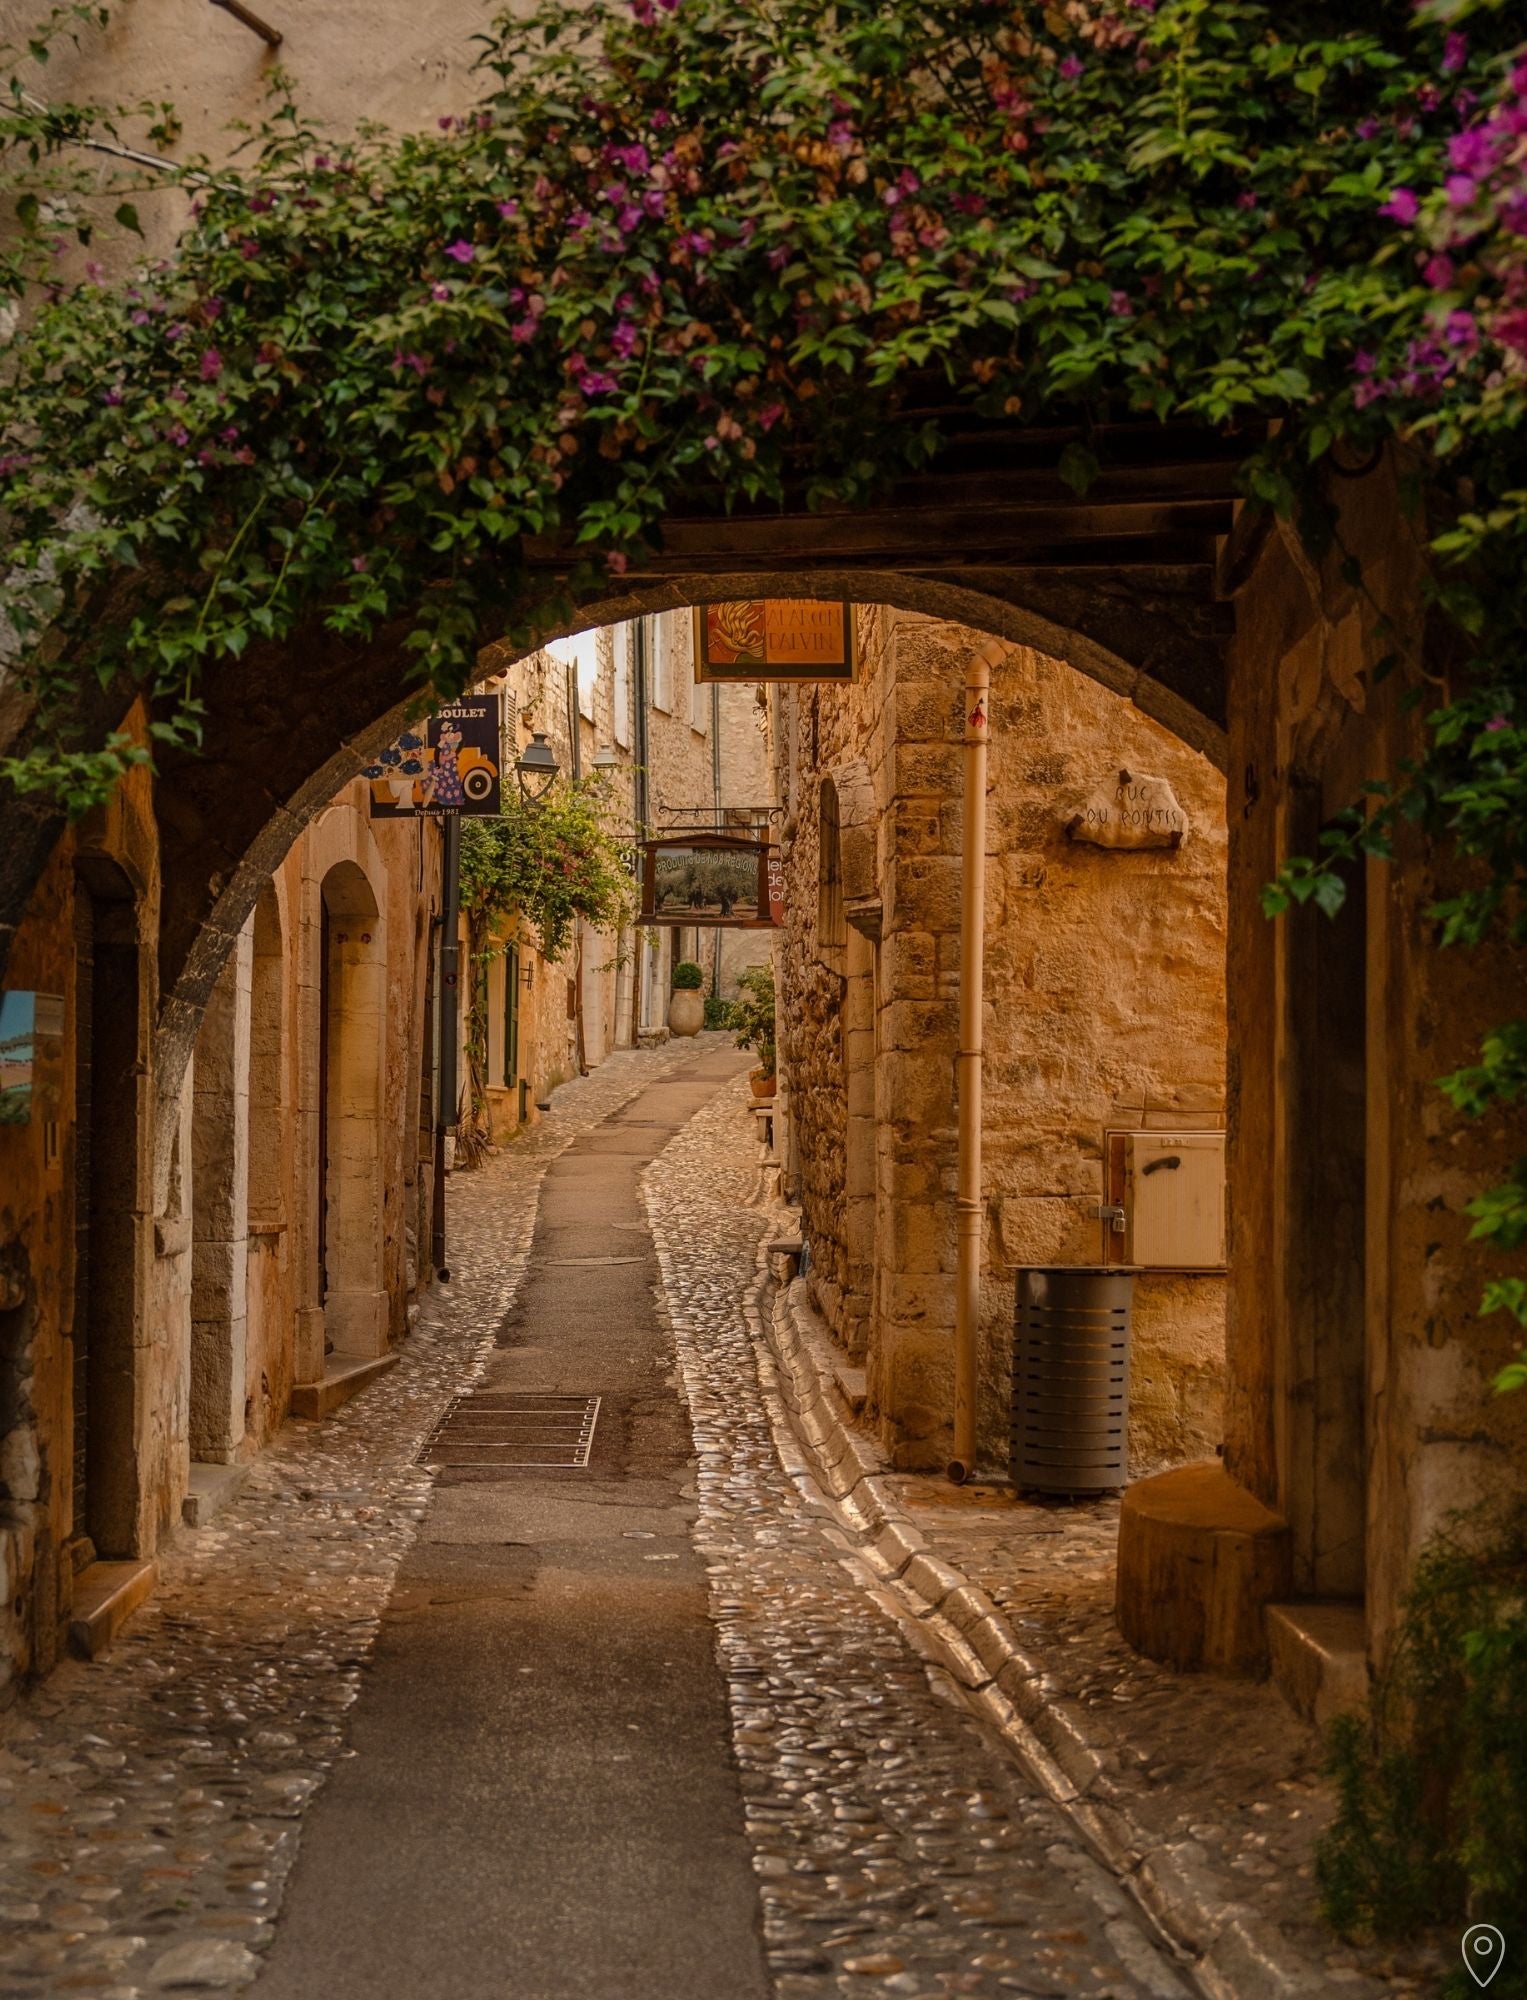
<point x="1254" y="1804"/>
<point x="898" y="1850"/>
<point x="150" y="1802"/>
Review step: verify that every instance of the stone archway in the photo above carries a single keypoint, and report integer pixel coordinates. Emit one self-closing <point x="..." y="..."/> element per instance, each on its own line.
<point x="279" y="743"/>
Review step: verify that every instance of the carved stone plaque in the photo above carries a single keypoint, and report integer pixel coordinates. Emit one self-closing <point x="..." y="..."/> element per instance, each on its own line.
<point x="1131" y="810"/>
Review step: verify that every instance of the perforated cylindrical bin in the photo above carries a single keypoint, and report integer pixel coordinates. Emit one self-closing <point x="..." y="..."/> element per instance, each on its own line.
<point x="1071" y="1378"/>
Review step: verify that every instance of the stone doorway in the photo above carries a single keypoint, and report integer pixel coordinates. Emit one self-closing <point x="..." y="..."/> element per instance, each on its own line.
<point x="108" y="1212"/>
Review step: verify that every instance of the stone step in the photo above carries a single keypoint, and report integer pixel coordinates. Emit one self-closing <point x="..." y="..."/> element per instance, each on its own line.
<point x="106" y="1594"/>
<point x="1319" y="1657"/>
<point x="344" y="1375"/>
<point x="212" y="1487"/>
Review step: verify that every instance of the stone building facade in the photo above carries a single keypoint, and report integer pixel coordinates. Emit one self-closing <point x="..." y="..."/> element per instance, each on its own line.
<point x="157" y="1332"/>
<point x="1105" y="1006"/>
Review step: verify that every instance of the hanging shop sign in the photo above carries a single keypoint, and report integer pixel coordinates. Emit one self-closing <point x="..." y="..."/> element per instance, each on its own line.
<point x="775" y="639"/>
<point x="448" y="764"/>
<point x="712" y="879"/>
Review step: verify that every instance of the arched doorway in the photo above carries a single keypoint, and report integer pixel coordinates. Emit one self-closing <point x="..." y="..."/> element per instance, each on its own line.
<point x="352" y="996"/>
<point x="109" y="1211"/>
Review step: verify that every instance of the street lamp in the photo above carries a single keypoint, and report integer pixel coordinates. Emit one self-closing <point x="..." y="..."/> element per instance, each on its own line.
<point x="537" y="767"/>
<point x="605" y="758"/>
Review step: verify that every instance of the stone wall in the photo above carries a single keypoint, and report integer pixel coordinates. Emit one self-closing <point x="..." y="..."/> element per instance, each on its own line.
<point x="1105" y="1010"/>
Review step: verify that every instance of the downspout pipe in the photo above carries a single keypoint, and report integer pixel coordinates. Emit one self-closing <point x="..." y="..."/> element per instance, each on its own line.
<point x="968" y="1204"/>
<point x="639" y="733"/>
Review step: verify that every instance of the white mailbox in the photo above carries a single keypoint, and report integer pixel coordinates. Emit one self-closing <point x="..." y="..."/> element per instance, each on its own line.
<point x="1166" y="1200"/>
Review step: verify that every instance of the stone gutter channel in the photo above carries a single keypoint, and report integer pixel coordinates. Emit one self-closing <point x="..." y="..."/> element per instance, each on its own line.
<point x="1233" y="1952"/>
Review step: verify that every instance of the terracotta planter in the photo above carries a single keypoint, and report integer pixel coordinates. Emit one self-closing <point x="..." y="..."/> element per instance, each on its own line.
<point x="763" y="1086"/>
<point x="686" y="1011"/>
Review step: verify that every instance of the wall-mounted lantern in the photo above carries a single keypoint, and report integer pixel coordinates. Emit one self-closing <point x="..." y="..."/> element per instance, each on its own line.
<point x="537" y="767"/>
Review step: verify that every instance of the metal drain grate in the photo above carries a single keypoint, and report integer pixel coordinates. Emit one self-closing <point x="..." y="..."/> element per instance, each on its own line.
<point x="501" y="1432"/>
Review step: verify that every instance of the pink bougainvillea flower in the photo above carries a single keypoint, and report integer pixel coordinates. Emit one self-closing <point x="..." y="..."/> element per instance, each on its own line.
<point x="177" y="434"/>
<point x="524" y="330"/>
<point x="616" y="562"/>
<point x="624" y="338"/>
<point x="1455" y="52"/>
<point x="1368" y="128"/>
<point x="769" y="415"/>
<point x="461" y="250"/>
<point x="1438" y="271"/>
<point x="112" y="399"/>
<point x="1497" y="723"/>
<point x="1402" y="206"/>
<point x="359" y="564"/>
<point x="439" y="291"/>
<point x="249" y="249"/>
<point x="1461" y="190"/>
<point x="508" y="210"/>
<point x="1119" y="305"/>
<point x="1071" y="68"/>
<point x="211" y="365"/>
<point x="1470" y="152"/>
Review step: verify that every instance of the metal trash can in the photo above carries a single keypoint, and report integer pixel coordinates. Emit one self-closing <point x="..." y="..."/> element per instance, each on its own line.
<point x="1071" y="1378"/>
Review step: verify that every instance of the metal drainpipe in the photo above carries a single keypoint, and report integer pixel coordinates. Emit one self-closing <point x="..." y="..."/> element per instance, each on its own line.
<point x="967" y="1063"/>
<point x="639" y="798"/>
<point x="575" y="757"/>
<point x="715" y="786"/>
<point x="450" y="1015"/>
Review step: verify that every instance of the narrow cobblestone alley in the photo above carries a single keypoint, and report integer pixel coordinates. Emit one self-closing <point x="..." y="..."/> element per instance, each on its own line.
<point x="535" y="1796"/>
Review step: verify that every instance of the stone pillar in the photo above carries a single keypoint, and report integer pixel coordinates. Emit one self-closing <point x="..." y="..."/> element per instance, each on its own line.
<point x="220" y="1212"/>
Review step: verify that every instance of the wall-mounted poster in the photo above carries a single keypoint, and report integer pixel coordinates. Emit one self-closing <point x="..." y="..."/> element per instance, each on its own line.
<point x="708" y="878"/>
<point x="31" y="1047"/>
<point x="775" y="639"/>
<point x="448" y="764"/>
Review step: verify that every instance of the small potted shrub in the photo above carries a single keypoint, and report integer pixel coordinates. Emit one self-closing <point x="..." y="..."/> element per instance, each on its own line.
<point x="753" y="1019"/>
<point x="686" y="1005"/>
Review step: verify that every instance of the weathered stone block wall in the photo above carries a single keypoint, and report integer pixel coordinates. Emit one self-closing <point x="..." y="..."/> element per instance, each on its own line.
<point x="1105" y="1009"/>
<point x="1414" y="1430"/>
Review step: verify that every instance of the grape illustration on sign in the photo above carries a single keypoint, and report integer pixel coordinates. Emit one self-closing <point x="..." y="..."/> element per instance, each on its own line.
<point x="1131" y="811"/>
<point x="775" y="639"/>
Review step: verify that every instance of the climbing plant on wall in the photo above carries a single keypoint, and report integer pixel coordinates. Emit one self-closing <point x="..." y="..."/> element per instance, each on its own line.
<point x="684" y="246"/>
<point x="537" y="868"/>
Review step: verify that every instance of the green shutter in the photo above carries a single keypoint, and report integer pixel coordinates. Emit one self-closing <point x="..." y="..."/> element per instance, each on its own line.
<point x="511" y="1014"/>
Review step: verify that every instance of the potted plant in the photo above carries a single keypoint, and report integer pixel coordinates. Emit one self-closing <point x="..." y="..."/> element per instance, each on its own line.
<point x="686" y="1006"/>
<point x="753" y="1019"/>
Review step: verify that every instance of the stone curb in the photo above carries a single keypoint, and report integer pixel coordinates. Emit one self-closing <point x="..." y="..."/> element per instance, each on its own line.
<point x="1233" y="1953"/>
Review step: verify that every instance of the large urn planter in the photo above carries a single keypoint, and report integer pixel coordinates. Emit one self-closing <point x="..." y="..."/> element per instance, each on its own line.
<point x="686" y="1012"/>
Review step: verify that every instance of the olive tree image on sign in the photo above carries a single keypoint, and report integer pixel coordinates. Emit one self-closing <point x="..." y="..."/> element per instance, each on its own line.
<point x="706" y="880"/>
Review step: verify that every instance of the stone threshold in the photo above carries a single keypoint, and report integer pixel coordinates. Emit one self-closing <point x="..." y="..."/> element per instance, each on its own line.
<point x="344" y="1376"/>
<point x="212" y="1486"/>
<point x="1232" y="1950"/>
<point x="106" y="1594"/>
<point x="1319" y="1654"/>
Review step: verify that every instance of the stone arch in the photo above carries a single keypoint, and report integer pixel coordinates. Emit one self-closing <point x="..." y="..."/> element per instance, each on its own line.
<point x="351" y="1000"/>
<point x="224" y="835"/>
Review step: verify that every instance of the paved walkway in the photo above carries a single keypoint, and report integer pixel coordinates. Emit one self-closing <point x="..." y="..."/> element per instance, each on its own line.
<point x="637" y="1732"/>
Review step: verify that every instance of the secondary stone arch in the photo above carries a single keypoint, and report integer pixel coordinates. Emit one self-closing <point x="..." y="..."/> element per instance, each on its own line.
<point x="291" y="725"/>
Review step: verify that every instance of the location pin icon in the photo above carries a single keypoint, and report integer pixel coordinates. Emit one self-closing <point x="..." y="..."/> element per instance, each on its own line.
<point x="1483" y="1949"/>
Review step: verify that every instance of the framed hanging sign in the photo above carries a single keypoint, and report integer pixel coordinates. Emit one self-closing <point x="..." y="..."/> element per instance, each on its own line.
<point x="709" y="879"/>
<point x="448" y="764"/>
<point x="775" y="639"/>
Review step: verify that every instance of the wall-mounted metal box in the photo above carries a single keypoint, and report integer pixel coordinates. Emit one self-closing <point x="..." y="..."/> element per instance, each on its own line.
<point x="1164" y="1207"/>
